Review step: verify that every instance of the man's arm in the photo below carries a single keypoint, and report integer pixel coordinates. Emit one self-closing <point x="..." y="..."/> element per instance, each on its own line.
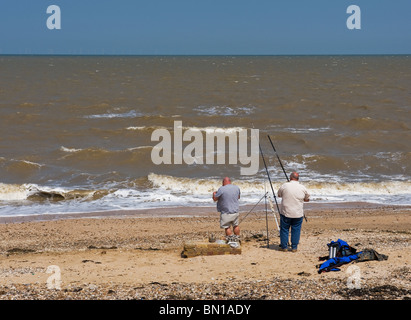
<point x="280" y="192"/>
<point x="307" y="197"/>
<point x="214" y="196"/>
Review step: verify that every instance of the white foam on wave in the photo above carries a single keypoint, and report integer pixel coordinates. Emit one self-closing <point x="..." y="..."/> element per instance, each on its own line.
<point x="139" y="148"/>
<point x="13" y="192"/>
<point x="16" y="192"/>
<point x="172" y="191"/>
<point x="144" y="197"/>
<point x="360" y="188"/>
<point x="211" y="130"/>
<point x="325" y="190"/>
<point x="225" y="110"/>
<point x="129" y="114"/>
<point x="251" y="185"/>
<point x="33" y="163"/>
<point x="70" y="150"/>
<point x="199" y="186"/>
<point x="136" y="128"/>
<point x="140" y="128"/>
<point x="307" y="130"/>
<point x="303" y="130"/>
<point x="207" y="130"/>
<point x="30" y="163"/>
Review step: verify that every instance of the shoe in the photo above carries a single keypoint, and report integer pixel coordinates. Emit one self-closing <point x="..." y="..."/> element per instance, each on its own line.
<point x="229" y="239"/>
<point x="233" y="238"/>
<point x="234" y="244"/>
<point x="294" y="250"/>
<point x="283" y="249"/>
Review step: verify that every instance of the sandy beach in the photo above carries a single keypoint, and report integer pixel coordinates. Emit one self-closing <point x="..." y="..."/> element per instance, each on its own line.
<point x="128" y="255"/>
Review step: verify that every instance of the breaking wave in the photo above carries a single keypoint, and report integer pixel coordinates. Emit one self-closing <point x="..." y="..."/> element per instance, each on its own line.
<point x="157" y="190"/>
<point x="254" y="186"/>
<point x="14" y="192"/>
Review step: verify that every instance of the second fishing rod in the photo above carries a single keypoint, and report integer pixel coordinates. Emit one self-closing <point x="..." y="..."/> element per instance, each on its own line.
<point x="272" y="189"/>
<point x="281" y="164"/>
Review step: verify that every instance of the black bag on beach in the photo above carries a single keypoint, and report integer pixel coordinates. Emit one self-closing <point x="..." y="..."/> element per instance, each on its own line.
<point x="337" y="249"/>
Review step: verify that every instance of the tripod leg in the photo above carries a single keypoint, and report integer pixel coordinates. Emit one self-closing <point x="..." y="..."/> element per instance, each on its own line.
<point x="266" y="221"/>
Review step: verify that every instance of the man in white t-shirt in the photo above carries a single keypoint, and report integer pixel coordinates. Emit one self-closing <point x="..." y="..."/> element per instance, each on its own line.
<point x="293" y="196"/>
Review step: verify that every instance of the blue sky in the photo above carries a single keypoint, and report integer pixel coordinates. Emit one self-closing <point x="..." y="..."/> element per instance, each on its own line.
<point x="209" y="27"/>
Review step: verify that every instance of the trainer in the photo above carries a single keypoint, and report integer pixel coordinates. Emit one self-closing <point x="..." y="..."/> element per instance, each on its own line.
<point x="227" y="198"/>
<point x="293" y="196"/>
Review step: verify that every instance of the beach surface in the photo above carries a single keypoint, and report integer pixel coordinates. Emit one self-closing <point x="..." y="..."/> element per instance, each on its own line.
<point x="137" y="255"/>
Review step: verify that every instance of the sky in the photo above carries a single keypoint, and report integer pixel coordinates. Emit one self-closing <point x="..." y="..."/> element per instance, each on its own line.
<point x="205" y="27"/>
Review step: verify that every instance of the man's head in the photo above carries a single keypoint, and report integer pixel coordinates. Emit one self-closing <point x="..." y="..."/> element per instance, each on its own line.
<point x="294" y="176"/>
<point x="226" y="181"/>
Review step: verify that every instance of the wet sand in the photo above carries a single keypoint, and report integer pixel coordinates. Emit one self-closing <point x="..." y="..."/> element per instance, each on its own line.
<point x="128" y="255"/>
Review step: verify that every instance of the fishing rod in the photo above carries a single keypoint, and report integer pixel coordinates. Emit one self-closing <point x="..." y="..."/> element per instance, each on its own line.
<point x="282" y="167"/>
<point x="269" y="179"/>
<point x="266" y="215"/>
<point x="279" y="160"/>
<point x="272" y="189"/>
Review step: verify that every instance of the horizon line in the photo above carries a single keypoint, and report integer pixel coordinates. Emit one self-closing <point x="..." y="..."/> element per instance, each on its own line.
<point x="204" y="55"/>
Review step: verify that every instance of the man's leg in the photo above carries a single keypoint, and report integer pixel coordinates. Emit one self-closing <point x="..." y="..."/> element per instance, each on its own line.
<point x="236" y="222"/>
<point x="284" y="231"/>
<point x="236" y="230"/>
<point x="295" y="232"/>
<point x="230" y="220"/>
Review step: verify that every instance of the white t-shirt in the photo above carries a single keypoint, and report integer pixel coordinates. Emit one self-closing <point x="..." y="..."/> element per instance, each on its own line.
<point x="293" y="195"/>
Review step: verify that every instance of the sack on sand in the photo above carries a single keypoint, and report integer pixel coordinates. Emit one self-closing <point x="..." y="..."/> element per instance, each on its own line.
<point x="371" y="254"/>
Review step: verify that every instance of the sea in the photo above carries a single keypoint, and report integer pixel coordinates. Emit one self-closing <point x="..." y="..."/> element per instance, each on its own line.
<point x="77" y="132"/>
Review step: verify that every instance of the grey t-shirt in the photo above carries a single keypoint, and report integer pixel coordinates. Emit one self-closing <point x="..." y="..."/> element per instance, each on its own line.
<point x="228" y="198"/>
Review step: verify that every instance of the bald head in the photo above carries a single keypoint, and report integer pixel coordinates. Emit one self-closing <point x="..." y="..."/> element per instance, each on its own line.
<point x="294" y="176"/>
<point x="226" y="181"/>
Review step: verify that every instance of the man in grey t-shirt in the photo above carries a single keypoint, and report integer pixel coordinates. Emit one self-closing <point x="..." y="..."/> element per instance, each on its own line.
<point x="227" y="204"/>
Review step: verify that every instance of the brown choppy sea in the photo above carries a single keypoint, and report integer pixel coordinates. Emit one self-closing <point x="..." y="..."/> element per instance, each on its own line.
<point x="76" y="131"/>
